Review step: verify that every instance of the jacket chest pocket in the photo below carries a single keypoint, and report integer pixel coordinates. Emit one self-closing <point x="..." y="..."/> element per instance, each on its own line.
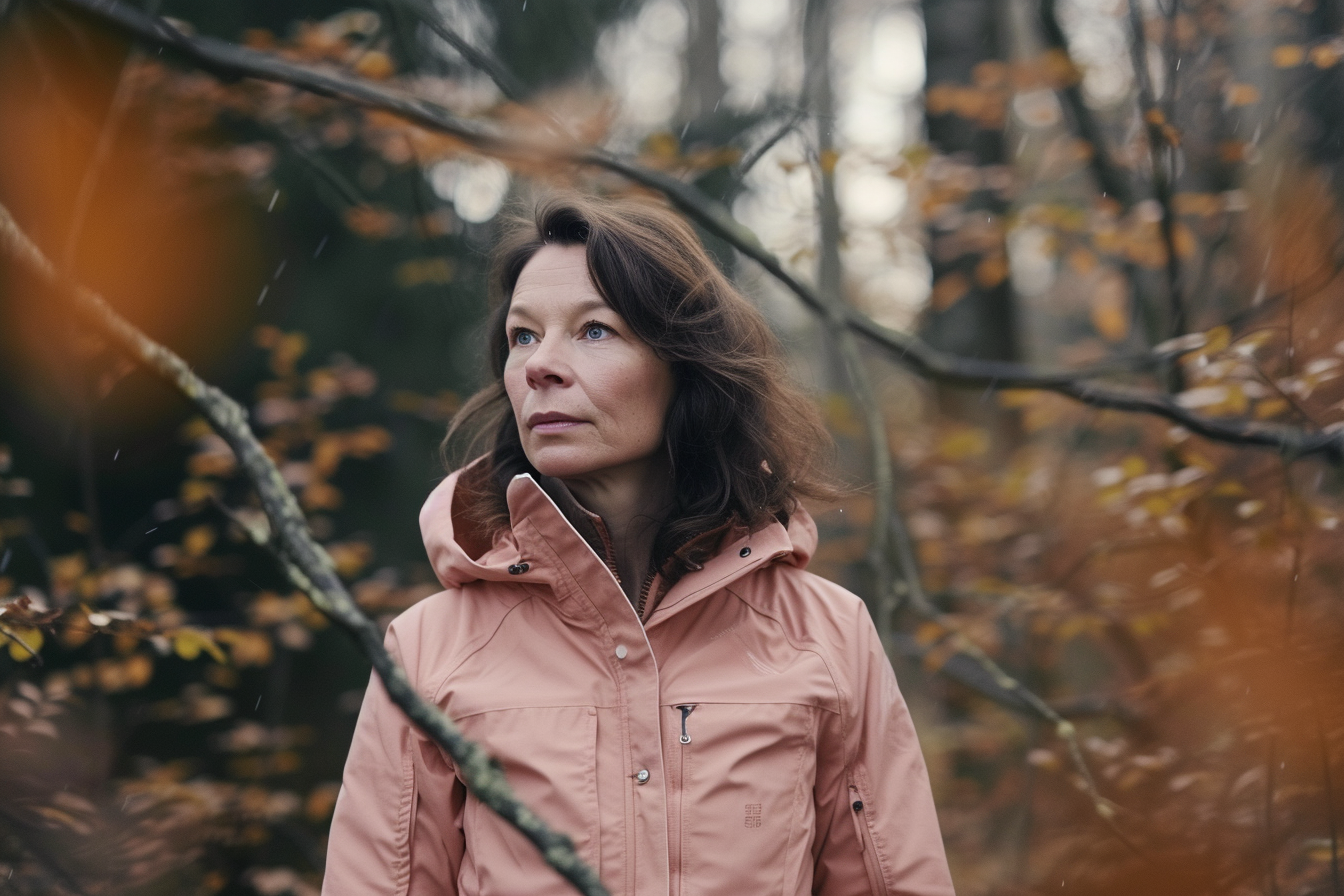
<point x="549" y="757"/>
<point x="739" y="787"/>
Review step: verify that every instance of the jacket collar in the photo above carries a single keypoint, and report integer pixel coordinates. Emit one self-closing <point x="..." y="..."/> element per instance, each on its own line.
<point x="544" y="539"/>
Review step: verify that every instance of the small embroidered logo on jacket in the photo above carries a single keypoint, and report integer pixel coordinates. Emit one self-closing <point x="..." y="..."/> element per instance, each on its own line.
<point x="753" y="817"/>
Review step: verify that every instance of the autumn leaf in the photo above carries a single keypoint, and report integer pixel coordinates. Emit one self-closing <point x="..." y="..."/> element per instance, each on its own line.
<point x="188" y="643"/>
<point x="24" y="643"/>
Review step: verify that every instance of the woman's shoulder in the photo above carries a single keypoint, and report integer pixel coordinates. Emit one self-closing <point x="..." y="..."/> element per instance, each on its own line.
<point x="434" y="635"/>
<point x="809" y="607"/>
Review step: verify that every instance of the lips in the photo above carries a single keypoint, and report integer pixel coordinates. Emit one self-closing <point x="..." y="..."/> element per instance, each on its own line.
<point x="552" y="421"/>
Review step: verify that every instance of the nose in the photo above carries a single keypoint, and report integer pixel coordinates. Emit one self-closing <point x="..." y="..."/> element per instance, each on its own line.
<point x="548" y="364"/>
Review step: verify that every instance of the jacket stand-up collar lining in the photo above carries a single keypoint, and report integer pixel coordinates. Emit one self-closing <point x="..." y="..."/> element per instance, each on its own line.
<point x="539" y="528"/>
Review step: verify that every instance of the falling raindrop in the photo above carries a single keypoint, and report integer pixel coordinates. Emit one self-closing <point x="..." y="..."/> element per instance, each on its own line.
<point x="258" y="706"/>
<point x="280" y="270"/>
<point x="116" y="454"/>
<point x="155" y="529"/>
<point x="261" y="298"/>
<point x="320" y="246"/>
<point x="4" y="561"/>
<point x="274" y="197"/>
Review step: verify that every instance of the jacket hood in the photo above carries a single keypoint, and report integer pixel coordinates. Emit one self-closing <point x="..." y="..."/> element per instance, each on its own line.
<point x="535" y="517"/>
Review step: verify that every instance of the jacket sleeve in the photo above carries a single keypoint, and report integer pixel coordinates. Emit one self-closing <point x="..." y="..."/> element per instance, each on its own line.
<point x="877" y="831"/>
<point x="397" y="828"/>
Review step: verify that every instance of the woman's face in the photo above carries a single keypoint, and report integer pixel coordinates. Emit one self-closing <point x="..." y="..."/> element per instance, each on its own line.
<point x="589" y="396"/>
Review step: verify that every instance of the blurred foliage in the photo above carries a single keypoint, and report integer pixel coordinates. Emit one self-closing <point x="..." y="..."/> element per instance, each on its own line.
<point x="175" y="715"/>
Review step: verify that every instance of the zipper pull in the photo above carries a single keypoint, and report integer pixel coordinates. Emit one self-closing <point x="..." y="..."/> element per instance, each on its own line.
<point x="686" y="710"/>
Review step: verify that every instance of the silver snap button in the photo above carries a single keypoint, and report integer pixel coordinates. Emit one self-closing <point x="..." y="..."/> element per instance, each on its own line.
<point x="642" y="776"/>
<point x="621" y="652"/>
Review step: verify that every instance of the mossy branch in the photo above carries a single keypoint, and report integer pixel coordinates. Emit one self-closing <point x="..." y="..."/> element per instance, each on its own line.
<point x="304" y="559"/>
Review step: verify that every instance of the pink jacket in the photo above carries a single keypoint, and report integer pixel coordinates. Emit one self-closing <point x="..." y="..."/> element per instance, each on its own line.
<point x="749" y="739"/>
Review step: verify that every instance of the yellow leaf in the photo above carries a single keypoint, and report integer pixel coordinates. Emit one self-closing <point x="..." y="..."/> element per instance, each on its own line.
<point x="138" y="669"/>
<point x="189" y="642"/>
<point x="1183" y="240"/>
<point x="1110" y="308"/>
<point x="198" y="540"/>
<point x="1244" y="94"/>
<point x="948" y="289"/>
<point x="1266" y="408"/>
<point x="936" y="658"/>
<point x="663" y="144"/>
<point x="1324" y="56"/>
<point x="964" y="442"/>
<point x="929" y="633"/>
<point x="992" y="270"/>
<point x="828" y="159"/>
<point x="1082" y="261"/>
<point x="1219" y="339"/>
<point x="1288" y="55"/>
<point x="376" y="65"/>
<point x="1133" y="465"/>
<point x="25" y="644"/>
<point x="418" y="271"/>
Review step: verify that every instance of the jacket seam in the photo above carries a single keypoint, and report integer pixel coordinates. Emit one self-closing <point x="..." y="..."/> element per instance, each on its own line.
<point x="755" y="703"/>
<point x="481" y="712"/>
<point x="807" y="648"/>
<point x="405" y="820"/>
<point x="482" y="643"/>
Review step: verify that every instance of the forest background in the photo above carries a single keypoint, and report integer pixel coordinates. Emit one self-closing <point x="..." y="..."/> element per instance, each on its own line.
<point x="1062" y="274"/>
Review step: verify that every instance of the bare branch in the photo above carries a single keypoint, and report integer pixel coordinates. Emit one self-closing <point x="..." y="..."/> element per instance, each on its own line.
<point x="233" y="61"/>
<point x="1113" y="181"/>
<point x="1162" y="146"/>
<point x="305" y="560"/>
<point x="508" y="84"/>
<point x="1001" y="687"/>
<point x="782" y="130"/>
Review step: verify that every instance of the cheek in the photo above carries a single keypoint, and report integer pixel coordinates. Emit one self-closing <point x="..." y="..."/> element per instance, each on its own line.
<point x="644" y="391"/>
<point x="515" y="385"/>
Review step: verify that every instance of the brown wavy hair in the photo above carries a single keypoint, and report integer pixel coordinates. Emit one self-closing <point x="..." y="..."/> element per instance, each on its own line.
<point x="744" y="442"/>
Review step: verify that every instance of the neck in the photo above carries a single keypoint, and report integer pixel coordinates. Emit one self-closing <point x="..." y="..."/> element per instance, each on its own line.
<point x="633" y="501"/>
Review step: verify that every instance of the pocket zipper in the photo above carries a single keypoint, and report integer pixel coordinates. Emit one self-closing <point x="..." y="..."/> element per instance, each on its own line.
<point x="686" y="710"/>
<point x="870" y="860"/>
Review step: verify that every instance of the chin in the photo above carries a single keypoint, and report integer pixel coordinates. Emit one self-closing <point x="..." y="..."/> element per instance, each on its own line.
<point x="562" y="463"/>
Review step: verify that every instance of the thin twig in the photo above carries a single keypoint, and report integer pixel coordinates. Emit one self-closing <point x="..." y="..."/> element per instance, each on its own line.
<point x="830" y="283"/>
<point x="505" y="80"/>
<point x="306" y="561"/>
<point x="1163" y="149"/>
<point x="782" y="130"/>
<point x="918" y="600"/>
<point x="1114" y="182"/>
<point x="33" y="654"/>
<point x="1323" y="745"/>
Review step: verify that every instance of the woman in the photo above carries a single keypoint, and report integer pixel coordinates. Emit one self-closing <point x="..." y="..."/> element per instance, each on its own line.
<point x="627" y="624"/>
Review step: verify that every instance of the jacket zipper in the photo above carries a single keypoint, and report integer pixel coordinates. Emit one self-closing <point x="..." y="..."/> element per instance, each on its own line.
<point x="858" y="807"/>
<point x="615" y="580"/>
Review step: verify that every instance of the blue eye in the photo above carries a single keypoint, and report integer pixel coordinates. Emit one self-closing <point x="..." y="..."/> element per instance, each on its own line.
<point x="594" y="331"/>
<point x="523" y="337"/>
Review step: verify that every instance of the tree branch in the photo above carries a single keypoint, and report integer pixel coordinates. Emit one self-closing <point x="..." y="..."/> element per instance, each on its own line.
<point x="232" y="61"/>
<point x="1162" y="147"/>
<point x="305" y="560"/>
<point x="508" y="84"/>
<point x="1113" y="181"/>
